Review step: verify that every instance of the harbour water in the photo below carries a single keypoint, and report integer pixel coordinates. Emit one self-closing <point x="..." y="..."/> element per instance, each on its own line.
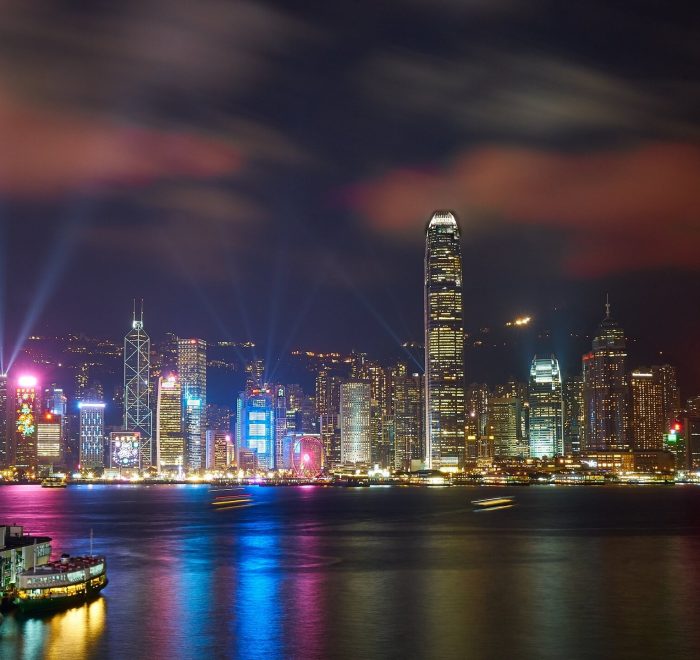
<point x="391" y="572"/>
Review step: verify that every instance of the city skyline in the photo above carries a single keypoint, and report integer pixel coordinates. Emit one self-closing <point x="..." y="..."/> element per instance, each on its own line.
<point x="284" y="230"/>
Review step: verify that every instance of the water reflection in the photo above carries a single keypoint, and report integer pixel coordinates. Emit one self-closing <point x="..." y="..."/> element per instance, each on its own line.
<point x="257" y="598"/>
<point x="74" y="633"/>
<point x="370" y="573"/>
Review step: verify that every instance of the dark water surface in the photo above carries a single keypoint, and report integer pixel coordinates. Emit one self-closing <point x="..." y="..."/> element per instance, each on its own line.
<point x="371" y="573"/>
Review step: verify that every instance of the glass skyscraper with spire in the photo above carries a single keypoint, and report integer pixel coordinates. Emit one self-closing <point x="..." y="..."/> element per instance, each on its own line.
<point x="444" y="344"/>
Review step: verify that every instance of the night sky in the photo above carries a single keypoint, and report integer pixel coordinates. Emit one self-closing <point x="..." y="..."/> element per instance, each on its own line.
<point x="265" y="171"/>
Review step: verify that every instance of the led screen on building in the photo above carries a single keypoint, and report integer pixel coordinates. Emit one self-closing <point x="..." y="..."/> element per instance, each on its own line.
<point x="124" y="450"/>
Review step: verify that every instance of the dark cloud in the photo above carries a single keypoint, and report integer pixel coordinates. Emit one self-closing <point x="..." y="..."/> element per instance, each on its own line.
<point x="626" y="209"/>
<point x="524" y="95"/>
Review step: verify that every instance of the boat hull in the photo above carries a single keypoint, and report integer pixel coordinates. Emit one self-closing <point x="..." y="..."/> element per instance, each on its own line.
<point x="31" y="606"/>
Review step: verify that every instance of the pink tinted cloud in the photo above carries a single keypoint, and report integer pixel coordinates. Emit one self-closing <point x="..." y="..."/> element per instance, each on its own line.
<point x="50" y="152"/>
<point x="622" y="209"/>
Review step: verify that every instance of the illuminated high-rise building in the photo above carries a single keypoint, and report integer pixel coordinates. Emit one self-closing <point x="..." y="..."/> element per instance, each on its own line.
<point x="477" y="406"/>
<point x="407" y="392"/>
<point x="444" y="344"/>
<point x="255" y="427"/>
<point x="4" y="438"/>
<point x="279" y="401"/>
<point x="355" y="423"/>
<point x="170" y="440"/>
<point x="27" y="407"/>
<point x="49" y="439"/>
<point x="328" y="413"/>
<point x="503" y="429"/>
<point x="380" y="399"/>
<point x="648" y="425"/>
<point x="545" y="399"/>
<point x="572" y="394"/>
<point x="218" y="450"/>
<point x="124" y="450"/>
<point x="605" y="391"/>
<point x="92" y="434"/>
<point x="138" y="416"/>
<point x="665" y="376"/>
<point x="56" y="402"/>
<point x="192" y="370"/>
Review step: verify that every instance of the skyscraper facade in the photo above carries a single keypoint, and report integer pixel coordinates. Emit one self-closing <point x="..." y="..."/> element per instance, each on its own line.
<point x="647" y="422"/>
<point x="280" y="405"/>
<point x="170" y="440"/>
<point x="255" y="427"/>
<point x="49" y="439"/>
<point x="665" y="376"/>
<point x="408" y="416"/>
<point x="192" y="371"/>
<point x="92" y="434"/>
<point x="504" y="434"/>
<point x="138" y="416"/>
<point x="477" y="405"/>
<point x="27" y="406"/>
<point x="573" y="415"/>
<point x="545" y="398"/>
<point x="444" y="344"/>
<point x="355" y="423"/>
<point x="328" y="413"/>
<point x="605" y="391"/>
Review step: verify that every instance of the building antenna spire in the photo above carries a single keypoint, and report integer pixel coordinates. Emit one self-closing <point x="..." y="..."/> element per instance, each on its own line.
<point x="134" y="317"/>
<point x="141" y="311"/>
<point x="607" y="305"/>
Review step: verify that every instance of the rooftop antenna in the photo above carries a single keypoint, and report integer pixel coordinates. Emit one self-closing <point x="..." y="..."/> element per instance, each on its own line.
<point x="607" y="305"/>
<point x="141" y="311"/>
<point x="133" y="321"/>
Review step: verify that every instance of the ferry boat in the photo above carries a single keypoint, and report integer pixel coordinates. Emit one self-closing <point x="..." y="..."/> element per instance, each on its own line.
<point x="65" y="582"/>
<point x="492" y="503"/>
<point x="54" y="482"/>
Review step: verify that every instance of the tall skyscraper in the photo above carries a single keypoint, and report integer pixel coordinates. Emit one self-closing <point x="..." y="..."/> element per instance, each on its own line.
<point x="56" y="402"/>
<point x="218" y="450"/>
<point x="279" y="401"/>
<point x="408" y="416"/>
<point x="380" y="423"/>
<point x="545" y="398"/>
<point x="665" y="376"/>
<point x="137" y="394"/>
<point x="170" y="439"/>
<point x="605" y="391"/>
<point x="355" y="423"/>
<point x="444" y="344"/>
<point x="49" y="439"/>
<point x="255" y="427"/>
<point x="192" y="370"/>
<point x="27" y="406"/>
<point x="504" y="432"/>
<point x="92" y="434"/>
<point x="328" y="413"/>
<point x="477" y="406"/>
<point x="573" y="415"/>
<point x="648" y="425"/>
